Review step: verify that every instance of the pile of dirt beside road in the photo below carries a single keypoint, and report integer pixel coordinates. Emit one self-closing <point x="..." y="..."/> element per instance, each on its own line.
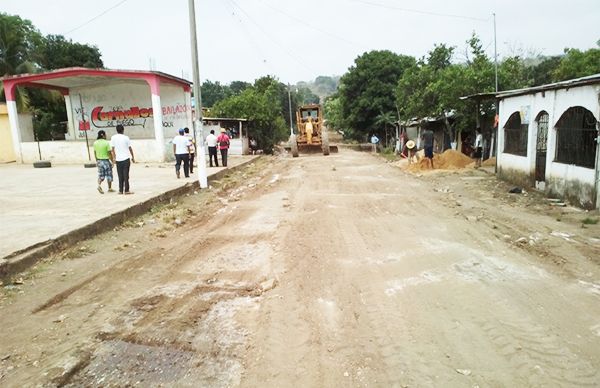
<point x="448" y="160"/>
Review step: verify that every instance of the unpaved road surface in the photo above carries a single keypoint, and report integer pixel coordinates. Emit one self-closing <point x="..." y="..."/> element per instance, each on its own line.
<point x="317" y="271"/>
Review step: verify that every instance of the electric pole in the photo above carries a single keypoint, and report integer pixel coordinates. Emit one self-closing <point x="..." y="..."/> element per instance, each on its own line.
<point x="198" y="130"/>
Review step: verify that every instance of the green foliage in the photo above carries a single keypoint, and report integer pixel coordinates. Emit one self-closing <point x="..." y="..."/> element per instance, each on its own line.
<point x="261" y="104"/>
<point x="542" y="72"/>
<point x="19" y="40"/>
<point x="577" y="63"/>
<point x="306" y="96"/>
<point x="590" y="221"/>
<point x="332" y="111"/>
<point x="213" y="92"/>
<point x="433" y="87"/>
<point x="56" y="52"/>
<point x="367" y="89"/>
<point x="23" y="49"/>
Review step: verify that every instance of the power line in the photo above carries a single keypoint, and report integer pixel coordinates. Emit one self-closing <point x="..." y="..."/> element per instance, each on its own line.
<point x="308" y="24"/>
<point x="95" y="17"/>
<point x="411" y="10"/>
<point x="282" y="47"/>
<point x="247" y="34"/>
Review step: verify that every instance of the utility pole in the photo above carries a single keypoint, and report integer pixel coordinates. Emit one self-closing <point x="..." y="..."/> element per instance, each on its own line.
<point x="198" y="130"/>
<point x="290" y="106"/>
<point x="495" y="53"/>
<point x="494" y="145"/>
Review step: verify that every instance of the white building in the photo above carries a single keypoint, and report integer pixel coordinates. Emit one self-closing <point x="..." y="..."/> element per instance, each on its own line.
<point x="151" y="106"/>
<point x="549" y="138"/>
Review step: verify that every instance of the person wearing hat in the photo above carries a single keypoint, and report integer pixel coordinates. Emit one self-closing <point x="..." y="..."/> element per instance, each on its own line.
<point x="181" y="149"/>
<point x="223" y="142"/>
<point x="103" y="155"/>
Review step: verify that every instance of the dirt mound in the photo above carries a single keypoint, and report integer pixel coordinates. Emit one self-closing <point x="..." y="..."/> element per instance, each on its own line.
<point x="491" y="162"/>
<point x="448" y="160"/>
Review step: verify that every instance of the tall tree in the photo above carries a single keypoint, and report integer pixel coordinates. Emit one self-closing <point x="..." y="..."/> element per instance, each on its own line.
<point x="262" y="105"/>
<point x="367" y="89"/>
<point x="19" y="40"/>
<point x="577" y="63"/>
<point x="213" y="92"/>
<point x="56" y="52"/>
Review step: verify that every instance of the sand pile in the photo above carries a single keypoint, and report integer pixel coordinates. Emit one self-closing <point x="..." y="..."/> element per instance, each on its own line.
<point x="449" y="160"/>
<point x="491" y="162"/>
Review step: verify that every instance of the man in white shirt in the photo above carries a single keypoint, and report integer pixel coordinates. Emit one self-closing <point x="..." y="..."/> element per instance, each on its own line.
<point x="181" y="149"/>
<point x="211" y="142"/>
<point x="478" y="147"/>
<point x="123" y="155"/>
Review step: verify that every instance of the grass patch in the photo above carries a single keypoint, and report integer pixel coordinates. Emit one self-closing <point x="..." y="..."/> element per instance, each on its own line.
<point x="589" y="221"/>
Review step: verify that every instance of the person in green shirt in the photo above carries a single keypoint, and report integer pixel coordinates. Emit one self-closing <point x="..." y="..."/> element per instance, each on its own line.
<point x="103" y="155"/>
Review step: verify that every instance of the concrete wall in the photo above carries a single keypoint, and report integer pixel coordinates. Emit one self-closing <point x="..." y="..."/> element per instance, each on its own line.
<point x="570" y="181"/>
<point x="133" y="97"/>
<point x="74" y="152"/>
<point x="7" y="152"/>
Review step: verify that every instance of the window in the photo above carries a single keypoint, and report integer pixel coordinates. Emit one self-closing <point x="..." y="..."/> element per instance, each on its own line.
<point x="576" y="137"/>
<point x="515" y="136"/>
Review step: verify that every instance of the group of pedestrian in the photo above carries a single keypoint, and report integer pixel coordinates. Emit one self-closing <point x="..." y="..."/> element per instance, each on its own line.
<point x="221" y="143"/>
<point x="118" y="152"/>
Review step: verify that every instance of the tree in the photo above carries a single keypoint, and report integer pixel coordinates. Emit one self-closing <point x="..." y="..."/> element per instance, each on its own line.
<point x="332" y="111"/>
<point x="367" y="89"/>
<point x="213" y="92"/>
<point x="56" y="52"/>
<point x="385" y="120"/>
<point x="237" y="87"/>
<point x="306" y="96"/>
<point x="577" y="63"/>
<point x="19" y="40"/>
<point x="261" y="104"/>
<point x="542" y="72"/>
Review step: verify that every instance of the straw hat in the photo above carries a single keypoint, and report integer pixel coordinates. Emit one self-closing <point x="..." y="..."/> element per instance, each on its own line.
<point x="223" y="130"/>
<point x="410" y="144"/>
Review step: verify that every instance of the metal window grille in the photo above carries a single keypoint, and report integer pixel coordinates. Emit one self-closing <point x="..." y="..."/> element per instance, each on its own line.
<point x="576" y="138"/>
<point x="515" y="136"/>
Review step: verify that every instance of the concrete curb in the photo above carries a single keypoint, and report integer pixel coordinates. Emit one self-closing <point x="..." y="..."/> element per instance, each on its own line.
<point x="21" y="260"/>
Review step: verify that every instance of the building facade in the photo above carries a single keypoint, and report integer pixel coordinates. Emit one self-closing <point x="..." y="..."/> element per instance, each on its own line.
<point x="548" y="138"/>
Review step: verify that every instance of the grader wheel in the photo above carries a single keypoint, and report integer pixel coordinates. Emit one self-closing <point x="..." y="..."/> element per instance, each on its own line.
<point x="325" y="143"/>
<point x="294" y="146"/>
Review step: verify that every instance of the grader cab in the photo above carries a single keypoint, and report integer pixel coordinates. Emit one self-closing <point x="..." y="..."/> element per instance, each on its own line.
<point x="311" y="135"/>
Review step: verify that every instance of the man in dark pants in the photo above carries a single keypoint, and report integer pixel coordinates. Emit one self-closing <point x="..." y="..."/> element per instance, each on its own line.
<point x="211" y="142"/>
<point x="192" y="148"/>
<point x="427" y="137"/>
<point x="123" y="155"/>
<point x="181" y="149"/>
<point x="223" y="141"/>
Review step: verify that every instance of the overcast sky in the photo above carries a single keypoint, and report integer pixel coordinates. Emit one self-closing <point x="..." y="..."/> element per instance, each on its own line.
<point x="299" y="40"/>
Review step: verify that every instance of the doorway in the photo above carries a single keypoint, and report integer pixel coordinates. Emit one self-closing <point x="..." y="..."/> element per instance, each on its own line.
<point x="541" y="150"/>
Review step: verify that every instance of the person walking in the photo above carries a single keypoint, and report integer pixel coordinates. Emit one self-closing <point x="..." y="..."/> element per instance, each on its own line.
<point x="223" y="141"/>
<point x="104" y="158"/>
<point x="478" y="145"/>
<point x="192" y="148"/>
<point x="427" y="137"/>
<point x="123" y="156"/>
<point x="211" y="142"/>
<point x="181" y="149"/>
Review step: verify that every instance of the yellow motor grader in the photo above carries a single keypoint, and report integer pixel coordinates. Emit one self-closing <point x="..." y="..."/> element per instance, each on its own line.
<point x="311" y="135"/>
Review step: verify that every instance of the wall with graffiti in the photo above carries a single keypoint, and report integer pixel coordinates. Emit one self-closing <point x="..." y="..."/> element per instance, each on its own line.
<point x="130" y="104"/>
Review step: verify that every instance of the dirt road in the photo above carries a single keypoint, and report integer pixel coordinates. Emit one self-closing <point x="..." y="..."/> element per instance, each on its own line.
<point x="337" y="271"/>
